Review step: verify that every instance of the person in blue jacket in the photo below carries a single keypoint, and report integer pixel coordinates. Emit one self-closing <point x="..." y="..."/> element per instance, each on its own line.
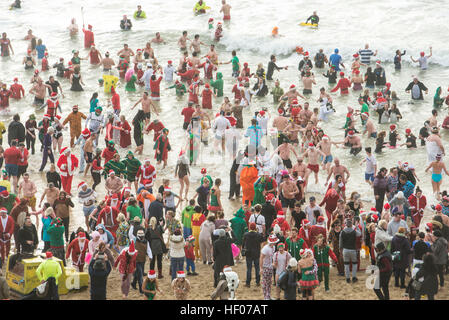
<point x="110" y="239"/>
<point x="335" y="59"/>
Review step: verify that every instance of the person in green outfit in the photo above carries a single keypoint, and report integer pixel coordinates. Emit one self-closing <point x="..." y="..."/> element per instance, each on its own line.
<point x="294" y="244"/>
<point x="132" y="165"/>
<point x="322" y="252"/>
<point x="437" y="100"/>
<point x="308" y="268"/>
<point x="277" y="92"/>
<point x="365" y="108"/>
<point x="56" y="232"/>
<point x="206" y="176"/>
<point x="239" y="227"/>
<point x="116" y="165"/>
<point x="186" y="219"/>
<point x="133" y="210"/>
<point x="218" y="85"/>
<point x="264" y="185"/>
<point x="235" y="64"/>
<point x="150" y="286"/>
<point x="179" y="87"/>
<point x="130" y="79"/>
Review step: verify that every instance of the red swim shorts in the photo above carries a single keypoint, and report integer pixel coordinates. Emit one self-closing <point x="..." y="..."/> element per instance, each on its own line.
<point x="314" y="167"/>
<point x="226" y="17"/>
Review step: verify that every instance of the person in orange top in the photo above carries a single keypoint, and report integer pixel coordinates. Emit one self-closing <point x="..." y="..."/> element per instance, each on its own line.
<point x="248" y="176"/>
<point x="145" y="197"/>
<point x="197" y="220"/>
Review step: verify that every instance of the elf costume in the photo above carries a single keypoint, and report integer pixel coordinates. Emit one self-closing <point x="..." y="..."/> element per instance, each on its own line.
<point x="263" y="184"/>
<point x="132" y="166"/>
<point x="163" y="145"/>
<point x="322" y="255"/>
<point x="218" y="85"/>
<point x="117" y="166"/>
<point x="239" y="226"/>
<point x="294" y="246"/>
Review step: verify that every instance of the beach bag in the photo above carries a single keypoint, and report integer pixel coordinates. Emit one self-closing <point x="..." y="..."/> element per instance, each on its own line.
<point x="42" y="290"/>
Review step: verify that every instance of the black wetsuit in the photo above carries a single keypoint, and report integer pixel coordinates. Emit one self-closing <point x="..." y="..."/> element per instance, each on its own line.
<point x="270" y="69"/>
<point x="313" y="19"/>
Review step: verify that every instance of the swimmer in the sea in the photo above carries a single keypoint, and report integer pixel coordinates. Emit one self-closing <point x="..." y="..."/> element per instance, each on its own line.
<point x="437" y="178"/>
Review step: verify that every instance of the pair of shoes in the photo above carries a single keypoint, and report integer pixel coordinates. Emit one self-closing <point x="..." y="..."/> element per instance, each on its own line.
<point x="134" y="286"/>
<point x="354" y="279"/>
<point x="210" y="262"/>
<point x="189" y="273"/>
<point x="204" y="262"/>
<point x="247" y="285"/>
<point x="194" y="273"/>
<point x="341" y="274"/>
<point x="348" y="280"/>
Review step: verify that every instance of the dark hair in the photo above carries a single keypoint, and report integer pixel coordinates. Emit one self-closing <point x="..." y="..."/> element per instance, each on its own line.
<point x="198" y="209"/>
<point x="429" y="264"/>
<point x="368" y="149"/>
<point x="197" y="36"/>
<point x="16" y="117"/>
<point x="403" y="177"/>
<point x="272" y="57"/>
<point x="234" y="53"/>
<point x="421" y="235"/>
<point x="94" y="96"/>
<point x="184" y="32"/>
<point x="217" y="181"/>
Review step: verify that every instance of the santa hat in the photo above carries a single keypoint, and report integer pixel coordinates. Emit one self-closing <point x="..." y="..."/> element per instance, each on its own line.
<point x="281" y="111"/>
<point x="304" y="252"/>
<point x="47" y="116"/>
<point x="342" y="74"/>
<point x="429" y="226"/>
<point x="306" y="54"/>
<point x="182" y="152"/>
<point x="280" y="214"/>
<point x="151" y="274"/>
<point x="89" y="26"/>
<point x="3" y="209"/>
<point x="48" y="255"/>
<point x="16" y="79"/>
<point x="211" y="19"/>
<point x="36" y="71"/>
<point x="387" y="206"/>
<point x="366" y="114"/>
<point x="190" y="238"/>
<point x="392" y="127"/>
<point x="64" y="150"/>
<point x="350" y="133"/>
<point x="131" y="248"/>
<point x="111" y="172"/>
<point x="167" y="189"/>
<point x="262" y="113"/>
<point x="375" y="217"/>
<point x="4" y="194"/>
<point x="373" y="209"/>
<point x="378" y="62"/>
<point x="325" y="137"/>
<point x="180" y="274"/>
<point x="54" y="94"/>
<point x="81" y="235"/>
<point x="169" y="62"/>
<point x="269" y="197"/>
<point x="86" y="133"/>
<point x="203" y="171"/>
<point x="273" y="239"/>
<point x="114" y="196"/>
<point x="82" y="184"/>
<point x="58" y="117"/>
<point x="311" y="145"/>
<point x="305" y="222"/>
<point x="320" y="219"/>
<point x="207" y="86"/>
<point x="408" y="131"/>
<point x="75" y="106"/>
<point x="355" y="55"/>
<point x="126" y="189"/>
<point x="147" y="160"/>
<point x="422" y="53"/>
<point x="295" y="102"/>
<point x="292" y="87"/>
<point x="438" y="207"/>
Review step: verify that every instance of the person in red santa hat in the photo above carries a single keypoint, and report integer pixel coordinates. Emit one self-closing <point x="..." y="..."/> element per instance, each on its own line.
<point x="292" y="94"/>
<point x="330" y="200"/>
<point x="417" y="203"/>
<point x="108" y="217"/>
<point x="17" y="90"/>
<point x="52" y="104"/>
<point x="88" y="37"/>
<point x="209" y="68"/>
<point x="146" y="172"/>
<point x="194" y="90"/>
<point x="126" y="263"/>
<point x="78" y="249"/>
<point x="236" y="89"/>
<point x="282" y="223"/>
<point x="67" y="164"/>
<point x="190" y="74"/>
<point x="343" y="84"/>
<point x="305" y="232"/>
<point x="319" y="228"/>
<point x="44" y="62"/>
<point x="386" y="212"/>
<point x="6" y="233"/>
<point x="206" y="94"/>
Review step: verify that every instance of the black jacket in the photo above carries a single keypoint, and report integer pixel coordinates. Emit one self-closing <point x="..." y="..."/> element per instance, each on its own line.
<point x="156" y="210"/>
<point x="27" y="234"/>
<point x="251" y="243"/>
<point x="16" y="130"/>
<point x="154" y="238"/>
<point x="222" y="253"/>
<point x="430" y="283"/>
<point x="98" y="280"/>
<point x="269" y="213"/>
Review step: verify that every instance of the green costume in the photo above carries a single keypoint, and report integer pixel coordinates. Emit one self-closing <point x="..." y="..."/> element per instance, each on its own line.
<point x="321" y="255"/>
<point x="9" y="203"/>
<point x="238" y="226"/>
<point x="140" y="15"/>
<point x="364" y="109"/>
<point x="56" y="234"/>
<point x="151" y="286"/>
<point x="277" y="92"/>
<point x="218" y="85"/>
<point x="131" y="84"/>
<point x="208" y="178"/>
<point x="180" y="89"/>
<point x="187" y="217"/>
<point x="294" y="247"/>
<point x="131" y="166"/>
<point x="117" y="166"/>
<point x="259" y="186"/>
<point x="437" y="100"/>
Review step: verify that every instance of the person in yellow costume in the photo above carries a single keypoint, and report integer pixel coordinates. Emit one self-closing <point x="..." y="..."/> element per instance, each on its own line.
<point x="139" y="14"/>
<point x="49" y="271"/>
<point x="4" y="183"/>
<point x="197" y="219"/>
<point x="200" y="7"/>
<point x="248" y="176"/>
<point x="109" y="81"/>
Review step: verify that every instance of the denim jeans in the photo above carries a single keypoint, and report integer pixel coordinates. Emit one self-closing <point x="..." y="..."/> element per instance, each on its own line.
<point x="177" y="264"/>
<point x="249" y="265"/>
<point x="187" y="232"/>
<point x="138" y="274"/>
<point x="190" y="265"/>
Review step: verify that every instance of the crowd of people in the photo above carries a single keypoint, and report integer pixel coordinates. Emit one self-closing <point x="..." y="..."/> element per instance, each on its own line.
<point x="293" y="240"/>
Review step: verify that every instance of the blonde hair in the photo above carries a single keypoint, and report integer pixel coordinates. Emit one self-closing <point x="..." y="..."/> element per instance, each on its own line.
<point x="21" y="219"/>
<point x="382" y="223"/>
<point x="121" y="217"/>
<point x="153" y="223"/>
<point x="48" y="211"/>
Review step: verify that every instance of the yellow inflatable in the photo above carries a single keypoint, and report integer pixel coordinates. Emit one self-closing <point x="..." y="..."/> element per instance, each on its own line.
<point x="303" y="24"/>
<point x="109" y="81"/>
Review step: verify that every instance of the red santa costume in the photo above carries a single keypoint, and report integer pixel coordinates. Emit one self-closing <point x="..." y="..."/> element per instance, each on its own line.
<point x="208" y="68"/>
<point x="157" y="126"/>
<point x="236" y="89"/>
<point x="206" y="100"/>
<point x="330" y="200"/>
<point x="193" y="91"/>
<point x="44" y="62"/>
<point x="17" y="90"/>
<point x="67" y="164"/>
<point x="108" y="217"/>
<point x="417" y="206"/>
<point x="146" y="172"/>
<point x="6" y="232"/>
<point x="155" y="88"/>
<point x="319" y="228"/>
<point x="283" y="224"/>
<point x="305" y="232"/>
<point x="113" y="201"/>
<point x="78" y="249"/>
<point x="88" y="37"/>
<point x="52" y="104"/>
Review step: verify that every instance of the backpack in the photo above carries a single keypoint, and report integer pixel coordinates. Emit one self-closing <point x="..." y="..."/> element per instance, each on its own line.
<point x="283" y="280"/>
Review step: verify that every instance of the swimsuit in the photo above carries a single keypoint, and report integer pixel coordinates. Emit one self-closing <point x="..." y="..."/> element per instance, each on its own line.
<point x="437" y="177"/>
<point x="314" y="167"/>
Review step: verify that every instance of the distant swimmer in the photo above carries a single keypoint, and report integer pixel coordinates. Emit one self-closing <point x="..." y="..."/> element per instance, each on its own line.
<point x="125" y="23"/>
<point x="200" y="7"/>
<point x="73" y="27"/>
<point x="226" y="9"/>
<point x="275" y="33"/>
<point x="16" y="5"/>
<point x="314" y="19"/>
<point x="139" y="14"/>
<point x="158" y="39"/>
<point x="422" y="60"/>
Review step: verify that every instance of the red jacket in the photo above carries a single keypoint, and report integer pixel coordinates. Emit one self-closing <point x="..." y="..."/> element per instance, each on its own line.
<point x="17" y="91"/>
<point x="187" y="112"/>
<point x="343" y="84"/>
<point x="155" y="87"/>
<point x="44" y="64"/>
<point x="115" y="100"/>
<point x="146" y="173"/>
<point x="236" y="90"/>
<point x="7" y="232"/>
<point x="193" y="96"/>
<point x="306" y="237"/>
<point x="208" y="69"/>
<point x="283" y="224"/>
<point x="188" y="75"/>
<point x="189" y="252"/>
<point x="74" y="249"/>
<point x="157" y="127"/>
<point x="417" y="205"/>
<point x="52" y="106"/>
<point x="102" y="218"/>
<point x="4" y="97"/>
<point x="12" y="155"/>
<point x="108" y="154"/>
<point x="124" y="268"/>
<point x="23" y="161"/>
